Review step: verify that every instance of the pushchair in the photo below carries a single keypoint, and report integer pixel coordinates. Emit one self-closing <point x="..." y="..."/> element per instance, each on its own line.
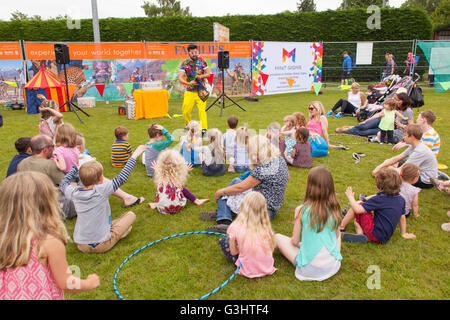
<point x="395" y="82"/>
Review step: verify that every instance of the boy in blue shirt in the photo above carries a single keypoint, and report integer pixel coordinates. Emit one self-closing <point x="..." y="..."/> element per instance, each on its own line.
<point x="23" y="147"/>
<point x="387" y="205"/>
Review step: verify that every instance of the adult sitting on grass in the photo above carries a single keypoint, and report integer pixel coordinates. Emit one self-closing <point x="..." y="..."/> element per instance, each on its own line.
<point x="355" y="100"/>
<point x="318" y="130"/>
<point x="269" y="176"/>
<point x="418" y="154"/>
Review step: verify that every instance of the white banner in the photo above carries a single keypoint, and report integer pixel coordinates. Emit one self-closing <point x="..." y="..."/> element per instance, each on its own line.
<point x="364" y="52"/>
<point x="285" y="67"/>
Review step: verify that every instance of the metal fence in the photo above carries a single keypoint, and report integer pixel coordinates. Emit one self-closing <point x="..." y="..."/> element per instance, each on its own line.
<point x="372" y="73"/>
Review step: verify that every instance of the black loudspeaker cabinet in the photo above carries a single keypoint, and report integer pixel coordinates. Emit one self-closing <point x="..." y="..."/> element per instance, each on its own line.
<point x="62" y="53"/>
<point x="224" y="59"/>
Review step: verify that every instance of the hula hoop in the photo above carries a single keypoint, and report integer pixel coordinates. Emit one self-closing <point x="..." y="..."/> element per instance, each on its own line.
<point x="167" y="238"/>
<point x="366" y="140"/>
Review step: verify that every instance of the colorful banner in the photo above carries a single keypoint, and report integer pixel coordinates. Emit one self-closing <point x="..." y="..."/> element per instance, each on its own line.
<point x="207" y="50"/>
<point x="221" y="33"/>
<point x="87" y="51"/>
<point x="285" y="67"/>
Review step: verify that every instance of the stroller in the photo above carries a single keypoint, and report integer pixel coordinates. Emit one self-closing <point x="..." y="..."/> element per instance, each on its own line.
<point x="396" y="82"/>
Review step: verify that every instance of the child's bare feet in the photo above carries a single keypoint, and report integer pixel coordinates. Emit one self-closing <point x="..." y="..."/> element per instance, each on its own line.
<point x="152" y="205"/>
<point x="199" y="202"/>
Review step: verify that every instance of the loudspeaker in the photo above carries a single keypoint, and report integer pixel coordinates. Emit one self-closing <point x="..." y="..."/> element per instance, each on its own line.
<point x="62" y="53"/>
<point x="223" y="58"/>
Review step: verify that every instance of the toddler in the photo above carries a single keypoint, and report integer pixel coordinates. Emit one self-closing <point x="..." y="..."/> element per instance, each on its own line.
<point x="189" y="141"/>
<point x="171" y="173"/>
<point x="212" y="157"/>
<point x="160" y="139"/>
<point x="66" y="145"/>
<point x="84" y="156"/>
<point x="121" y="149"/>
<point x="239" y="159"/>
<point x="409" y="173"/>
<point x="23" y="147"/>
<point x="301" y="152"/>
<point x="229" y="139"/>
<point x="288" y="130"/>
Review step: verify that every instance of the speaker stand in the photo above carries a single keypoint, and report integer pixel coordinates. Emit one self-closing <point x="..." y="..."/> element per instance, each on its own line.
<point x="222" y="97"/>
<point x="70" y="104"/>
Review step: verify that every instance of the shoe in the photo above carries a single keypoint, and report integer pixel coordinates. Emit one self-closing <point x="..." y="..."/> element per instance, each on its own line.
<point x="362" y="197"/>
<point x="342" y="147"/>
<point x="339" y="115"/>
<point x="329" y="113"/>
<point x="138" y="201"/>
<point x="203" y="133"/>
<point x="356" y="157"/>
<point x="358" y="238"/>
<point x="208" y="216"/>
<point x="360" y="154"/>
<point x="381" y="143"/>
<point x="126" y="232"/>
<point x="219" y="228"/>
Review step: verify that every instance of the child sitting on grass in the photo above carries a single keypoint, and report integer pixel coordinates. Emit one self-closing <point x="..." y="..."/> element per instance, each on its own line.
<point x="191" y="140"/>
<point x="66" y="145"/>
<point x="121" y="149"/>
<point x="229" y="139"/>
<point x="160" y="139"/>
<point x="387" y="205"/>
<point x="301" y="120"/>
<point x="250" y="240"/>
<point x="171" y="172"/>
<point x="33" y="239"/>
<point x="239" y="157"/>
<point x="301" y="152"/>
<point x="316" y="255"/>
<point x="24" y="149"/>
<point x="84" y="156"/>
<point x="409" y="173"/>
<point x="51" y="118"/>
<point x="288" y="130"/>
<point x="94" y="232"/>
<point x="212" y="157"/>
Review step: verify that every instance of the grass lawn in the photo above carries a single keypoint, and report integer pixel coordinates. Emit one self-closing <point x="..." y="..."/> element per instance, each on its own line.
<point x="190" y="266"/>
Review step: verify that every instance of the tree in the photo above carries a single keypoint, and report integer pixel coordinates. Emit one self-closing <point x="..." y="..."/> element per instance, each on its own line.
<point x="20" y="16"/>
<point x="441" y="16"/>
<point x="306" y="5"/>
<point x="428" y="5"/>
<point x="353" y="4"/>
<point x="165" y="8"/>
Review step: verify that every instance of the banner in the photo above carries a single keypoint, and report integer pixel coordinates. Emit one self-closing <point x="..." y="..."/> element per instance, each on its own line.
<point x="221" y="33"/>
<point x="285" y="67"/>
<point x="208" y="50"/>
<point x="364" y="51"/>
<point x="87" y="51"/>
<point x="10" y="51"/>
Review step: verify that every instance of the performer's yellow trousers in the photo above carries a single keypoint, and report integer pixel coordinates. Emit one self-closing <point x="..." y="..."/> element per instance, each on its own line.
<point x="190" y="99"/>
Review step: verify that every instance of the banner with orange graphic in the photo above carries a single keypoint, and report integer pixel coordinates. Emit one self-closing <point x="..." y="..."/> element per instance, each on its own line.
<point x="10" y="51"/>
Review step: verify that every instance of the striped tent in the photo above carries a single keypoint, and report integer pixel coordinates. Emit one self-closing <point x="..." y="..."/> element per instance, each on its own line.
<point x="45" y="83"/>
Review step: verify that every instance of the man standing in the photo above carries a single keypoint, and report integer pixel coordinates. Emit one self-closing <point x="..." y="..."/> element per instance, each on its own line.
<point x="196" y="70"/>
<point x="346" y="67"/>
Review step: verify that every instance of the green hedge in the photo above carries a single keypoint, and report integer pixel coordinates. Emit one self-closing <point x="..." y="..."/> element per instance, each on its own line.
<point x="344" y="25"/>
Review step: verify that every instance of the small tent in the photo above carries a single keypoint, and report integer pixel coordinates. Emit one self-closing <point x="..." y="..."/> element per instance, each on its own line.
<point x="45" y="83"/>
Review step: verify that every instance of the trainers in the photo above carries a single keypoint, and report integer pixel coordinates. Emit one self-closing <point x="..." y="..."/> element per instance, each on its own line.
<point x="204" y="133"/>
<point x="356" y="157"/>
<point x="220" y="228"/>
<point x="358" y="238"/>
<point x="339" y="115"/>
<point x="208" y="216"/>
<point x="329" y="113"/>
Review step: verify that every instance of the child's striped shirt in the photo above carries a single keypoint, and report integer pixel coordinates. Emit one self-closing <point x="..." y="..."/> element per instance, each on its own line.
<point x="432" y="140"/>
<point x="120" y="153"/>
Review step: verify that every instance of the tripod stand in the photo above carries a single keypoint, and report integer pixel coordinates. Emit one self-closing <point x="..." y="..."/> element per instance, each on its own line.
<point x="222" y="96"/>
<point x="70" y="104"/>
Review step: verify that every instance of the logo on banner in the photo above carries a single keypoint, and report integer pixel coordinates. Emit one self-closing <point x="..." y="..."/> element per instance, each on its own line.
<point x="287" y="54"/>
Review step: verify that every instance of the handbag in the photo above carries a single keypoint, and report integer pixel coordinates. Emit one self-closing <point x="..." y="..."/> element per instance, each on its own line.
<point x="203" y="94"/>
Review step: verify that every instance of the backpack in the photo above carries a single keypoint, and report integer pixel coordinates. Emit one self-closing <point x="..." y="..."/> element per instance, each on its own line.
<point x="416" y="97"/>
<point x="353" y="57"/>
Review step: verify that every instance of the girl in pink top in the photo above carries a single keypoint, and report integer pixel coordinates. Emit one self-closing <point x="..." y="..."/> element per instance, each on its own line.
<point x="66" y="145"/>
<point x="33" y="263"/>
<point x="250" y="240"/>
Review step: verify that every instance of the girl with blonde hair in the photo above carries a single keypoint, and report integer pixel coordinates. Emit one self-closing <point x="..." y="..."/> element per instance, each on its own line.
<point x="317" y="257"/>
<point x="171" y="173"/>
<point x="33" y="263"/>
<point x="251" y="239"/>
<point x="212" y="156"/>
<point x="66" y="145"/>
<point x="239" y="160"/>
<point x="188" y="142"/>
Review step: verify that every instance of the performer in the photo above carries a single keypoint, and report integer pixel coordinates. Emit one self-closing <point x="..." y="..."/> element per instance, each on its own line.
<point x="196" y="70"/>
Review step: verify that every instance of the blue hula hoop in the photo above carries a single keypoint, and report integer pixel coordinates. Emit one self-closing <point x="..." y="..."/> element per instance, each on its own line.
<point x="167" y="238"/>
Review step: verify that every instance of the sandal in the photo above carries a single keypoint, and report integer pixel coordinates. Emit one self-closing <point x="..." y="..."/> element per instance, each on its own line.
<point x="358" y="238"/>
<point x="138" y="201"/>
